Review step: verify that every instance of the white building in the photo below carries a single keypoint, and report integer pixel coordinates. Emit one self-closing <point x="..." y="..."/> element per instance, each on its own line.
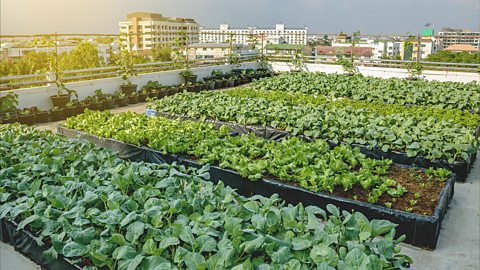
<point x="151" y="30"/>
<point x="254" y="35"/>
<point x="449" y="36"/>
<point x="409" y="49"/>
<point x="218" y="50"/>
<point x="380" y="48"/>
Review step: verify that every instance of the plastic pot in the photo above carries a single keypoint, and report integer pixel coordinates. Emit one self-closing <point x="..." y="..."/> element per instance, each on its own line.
<point x="128" y="89"/>
<point x="190" y="88"/>
<point x="81" y="108"/>
<point x="41" y="117"/>
<point x="190" y="79"/>
<point x="133" y="99"/>
<point x="28" y="119"/>
<point x="58" y="115"/>
<point x="108" y="104"/>
<point x="60" y="101"/>
<point x="121" y="102"/>
<point x="142" y="97"/>
<point x="95" y="106"/>
<point x="70" y="111"/>
<point x="153" y="94"/>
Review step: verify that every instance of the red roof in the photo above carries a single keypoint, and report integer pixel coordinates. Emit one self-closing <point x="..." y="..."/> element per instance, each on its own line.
<point x="338" y="50"/>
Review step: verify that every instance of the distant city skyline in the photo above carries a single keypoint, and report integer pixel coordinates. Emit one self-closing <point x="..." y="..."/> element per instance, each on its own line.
<point x="320" y="16"/>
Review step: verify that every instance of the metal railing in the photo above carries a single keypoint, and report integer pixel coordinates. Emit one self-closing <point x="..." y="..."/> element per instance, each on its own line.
<point x="292" y="57"/>
<point x="385" y="63"/>
<point x="42" y="79"/>
<point x="32" y="80"/>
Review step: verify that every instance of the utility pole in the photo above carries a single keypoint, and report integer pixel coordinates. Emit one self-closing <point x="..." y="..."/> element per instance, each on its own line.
<point x="56" y="57"/>
<point x="419" y="54"/>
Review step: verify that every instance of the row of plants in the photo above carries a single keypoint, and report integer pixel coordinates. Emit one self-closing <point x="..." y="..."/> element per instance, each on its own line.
<point x="99" y="101"/>
<point x="410" y="134"/>
<point x="311" y="165"/>
<point x="464" y="96"/>
<point x="87" y="205"/>
<point x="456" y="116"/>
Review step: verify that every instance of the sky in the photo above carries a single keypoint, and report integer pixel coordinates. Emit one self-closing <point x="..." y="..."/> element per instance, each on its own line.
<point x="320" y="16"/>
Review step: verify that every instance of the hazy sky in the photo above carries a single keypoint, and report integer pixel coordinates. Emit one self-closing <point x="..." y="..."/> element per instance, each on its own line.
<point x="368" y="16"/>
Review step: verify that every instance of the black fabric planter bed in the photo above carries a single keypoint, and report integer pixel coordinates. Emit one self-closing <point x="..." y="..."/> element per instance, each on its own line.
<point x="460" y="168"/>
<point x="26" y="243"/>
<point x="421" y="230"/>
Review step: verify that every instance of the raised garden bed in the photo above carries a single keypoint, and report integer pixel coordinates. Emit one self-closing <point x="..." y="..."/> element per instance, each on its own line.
<point x="26" y="243"/>
<point x="142" y="216"/>
<point x="421" y="230"/>
<point x="461" y="167"/>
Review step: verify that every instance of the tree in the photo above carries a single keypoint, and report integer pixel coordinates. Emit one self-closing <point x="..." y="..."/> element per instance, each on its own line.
<point x="31" y="63"/>
<point x="85" y="55"/>
<point x="163" y="54"/>
<point x="454" y="57"/>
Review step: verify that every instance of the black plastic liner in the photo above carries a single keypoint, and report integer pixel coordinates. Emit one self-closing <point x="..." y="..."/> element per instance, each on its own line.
<point x="460" y="168"/>
<point x="421" y="231"/>
<point x="25" y="243"/>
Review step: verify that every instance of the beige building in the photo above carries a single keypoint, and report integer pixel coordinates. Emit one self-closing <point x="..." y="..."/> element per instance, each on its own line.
<point x="449" y="36"/>
<point x="461" y="48"/>
<point x="145" y="31"/>
<point x="410" y="50"/>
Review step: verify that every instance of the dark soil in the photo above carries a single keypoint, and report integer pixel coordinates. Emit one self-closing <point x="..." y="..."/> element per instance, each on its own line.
<point x="421" y="197"/>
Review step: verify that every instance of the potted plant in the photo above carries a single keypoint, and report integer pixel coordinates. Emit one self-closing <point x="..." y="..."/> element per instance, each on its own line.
<point x="151" y="85"/>
<point x="210" y="82"/>
<point x="57" y="113"/>
<point x="127" y="70"/>
<point x="190" y="87"/>
<point x="154" y="93"/>
<point x="348" y="67"/>
<point x="121" y="99"/>
<point x="9" y="117"/>
<point x="26" y="116"/>
<point x="70" y="109"/>
<point x="63" y="95"/>
<point x="142" y="95"/>
<point x="41" y="115"/>
<point x="298" y="62"/>
<point x="172" y="90"/>
<point x="197" y="87"/>
<point x="188" y="76"/>
<point x="230" y="80"/>
<point x="8" y="105"/>
<point x="81" y="106"/>
<point x="108" y="102"/>
<point x="133" y="98"/>
<point x="415" y="70"/>
<point x="94" y="104"/>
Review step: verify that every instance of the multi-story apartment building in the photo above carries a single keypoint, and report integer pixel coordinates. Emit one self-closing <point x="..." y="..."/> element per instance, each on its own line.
<point x="218" y="50"/>
<point x="145" y="31"/>
<point x="380" y="48"/>
<point x="449" y="36"/>
<point x="254" y="35"/>
<point x="409" y="49"/>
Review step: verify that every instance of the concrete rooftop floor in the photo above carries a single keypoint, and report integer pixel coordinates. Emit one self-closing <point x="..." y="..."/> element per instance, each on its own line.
<point x="458" y="245"/>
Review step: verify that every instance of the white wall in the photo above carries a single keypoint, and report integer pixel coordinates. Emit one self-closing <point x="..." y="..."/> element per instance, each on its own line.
<point x="386" y="73"/>
<point x="40" y="96"/>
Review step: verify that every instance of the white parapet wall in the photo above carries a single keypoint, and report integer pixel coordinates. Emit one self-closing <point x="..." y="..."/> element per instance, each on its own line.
<point x="385" y="73"/>
<point x="40" y="96"/>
